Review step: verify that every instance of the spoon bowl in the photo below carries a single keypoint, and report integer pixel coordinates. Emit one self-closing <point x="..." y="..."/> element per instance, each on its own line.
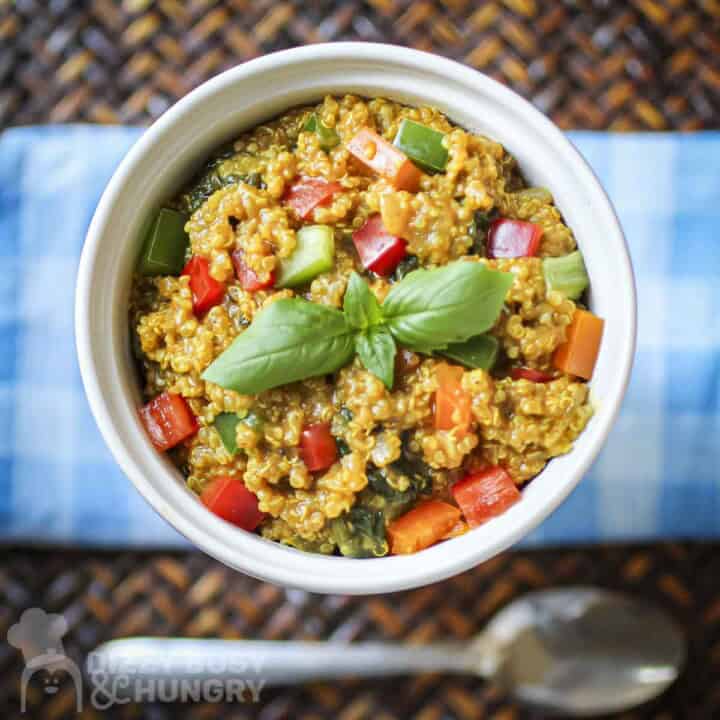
<point x="582" y="651"/>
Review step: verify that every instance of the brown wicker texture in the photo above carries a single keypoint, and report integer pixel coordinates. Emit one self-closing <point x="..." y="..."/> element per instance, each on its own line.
<point x="105" y="595"/>
<point x="641" y="64"/>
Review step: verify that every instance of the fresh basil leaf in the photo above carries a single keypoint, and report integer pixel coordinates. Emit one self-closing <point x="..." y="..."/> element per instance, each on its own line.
<point x="478" y="352"/>
<point x="289" y="340"/>
<point x="362" y="309"/>
<point x="430" y="309"/>
<point x="376" y="349"/>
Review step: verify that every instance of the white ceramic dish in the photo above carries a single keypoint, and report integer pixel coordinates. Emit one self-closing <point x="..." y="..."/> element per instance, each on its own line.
<point x="241" y="98"/>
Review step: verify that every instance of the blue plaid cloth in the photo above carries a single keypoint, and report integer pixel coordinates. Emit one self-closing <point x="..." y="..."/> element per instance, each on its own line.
<point x="658" y="477"/>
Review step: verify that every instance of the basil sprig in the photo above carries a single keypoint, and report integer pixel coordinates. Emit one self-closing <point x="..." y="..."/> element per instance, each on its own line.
<point x="427" y="311"/>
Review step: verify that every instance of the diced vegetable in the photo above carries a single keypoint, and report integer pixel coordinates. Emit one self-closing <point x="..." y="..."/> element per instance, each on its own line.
<point x="317" y="447"/>
<point x="226" y="425"/>
<point x="452" y="403"/>
<point x="229" y="499"/>
<point x="206" y="290"/>
<point x="535" y="376"/>
<point x="306" y="193"/>
<point x="328" y="137"/>
<point x="313" y="254"/>
<point x="379" y="251"/>
<point x="246" y="275"/>
<point x="485" y="494"/>
<point x="513" y="239"/>
<point x="421" y="527"/>
<point x="168" y="420"/>
<point x="479" y="352"/>
<point x="386" y="160"/>
<point x="578" y="354"/>
<point x="422" y="144"/>
<point x="566" y="274"/>
<point x="165" y="245"/>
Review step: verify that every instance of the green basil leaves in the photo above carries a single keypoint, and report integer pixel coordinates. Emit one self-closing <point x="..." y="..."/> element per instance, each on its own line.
<point x="427" y="311"/>
<point x="430" y="309"/>
<point x="289" y="340"/>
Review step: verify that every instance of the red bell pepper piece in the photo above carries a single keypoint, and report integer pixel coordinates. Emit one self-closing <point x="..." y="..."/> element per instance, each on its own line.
<point x="379" y="251"/>
<point x="318" y="447"/>
<point x="247" y="276"/>
<point x="168" y="420"/>
<point x="513" y="239"/>
<point x="306" y="193"/>
<point x="229" y="499"/>
<point x="206" y="290"/>
<point x="529" y="374"/>
<point x="485" y="494"/>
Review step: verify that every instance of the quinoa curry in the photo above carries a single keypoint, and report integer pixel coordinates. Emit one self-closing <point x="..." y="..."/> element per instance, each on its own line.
<point x="360" y="332"/>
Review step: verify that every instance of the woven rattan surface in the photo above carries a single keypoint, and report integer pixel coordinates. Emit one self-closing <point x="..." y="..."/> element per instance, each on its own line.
<point x="641" y="64"/>
<point x="636" y="64"/>
<point x="104" y="595"/>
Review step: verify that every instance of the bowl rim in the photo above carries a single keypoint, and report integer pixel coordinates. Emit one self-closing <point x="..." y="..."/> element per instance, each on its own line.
<point x="267" y="560"/>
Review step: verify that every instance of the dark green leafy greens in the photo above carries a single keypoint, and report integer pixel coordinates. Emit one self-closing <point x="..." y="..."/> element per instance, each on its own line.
<point x="479" y="228"/>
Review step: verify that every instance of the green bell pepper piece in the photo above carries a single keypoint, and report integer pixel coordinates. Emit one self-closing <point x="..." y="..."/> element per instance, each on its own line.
<point x="327" y="136"/>
<point x="313" y="254"/>
<point x="566" y="274"/>
<point x="165" y="245"/>
<point x="422" y="145"/>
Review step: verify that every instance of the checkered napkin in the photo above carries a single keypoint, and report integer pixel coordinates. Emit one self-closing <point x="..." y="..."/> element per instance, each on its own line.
<point x="658" y="476"/>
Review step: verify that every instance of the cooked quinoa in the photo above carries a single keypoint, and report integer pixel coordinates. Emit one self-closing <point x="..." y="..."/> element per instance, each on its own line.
<point x="391" y="456"/>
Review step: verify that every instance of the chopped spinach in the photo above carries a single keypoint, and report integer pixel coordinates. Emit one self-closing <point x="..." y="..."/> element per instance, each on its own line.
<point x="360" y="533"/>
<point x="210" y="180"/>
<point x="479" y="231"/>
<point x="342" y="446"/>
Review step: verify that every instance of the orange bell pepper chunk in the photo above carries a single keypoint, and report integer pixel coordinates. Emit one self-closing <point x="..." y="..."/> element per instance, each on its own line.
<point x="452" y="403"/>
<point x="578" y="354"/>
<point x="385" y="159"/>
<point x="421" y="527"/>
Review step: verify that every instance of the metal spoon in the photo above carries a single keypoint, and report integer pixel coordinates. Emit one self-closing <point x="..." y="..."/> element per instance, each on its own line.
<point x="575" y="651"/>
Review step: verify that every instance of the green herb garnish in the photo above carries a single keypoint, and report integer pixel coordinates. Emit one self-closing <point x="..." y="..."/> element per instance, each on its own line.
<point x="293" y="339"/>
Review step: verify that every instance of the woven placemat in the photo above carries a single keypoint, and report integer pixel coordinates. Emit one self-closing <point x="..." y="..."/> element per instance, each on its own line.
<point x="641" y="64"/>
<point x="106" y="595"/>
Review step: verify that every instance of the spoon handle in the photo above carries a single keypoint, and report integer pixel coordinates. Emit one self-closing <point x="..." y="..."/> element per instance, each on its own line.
<point x="273" y="662"/>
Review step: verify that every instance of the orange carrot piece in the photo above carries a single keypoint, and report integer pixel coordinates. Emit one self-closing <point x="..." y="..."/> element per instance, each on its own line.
<point x="577" y="356"/>
<point x="385" y="159"/>
<point x="422" y="527"/>
<point x="452" y="403"/>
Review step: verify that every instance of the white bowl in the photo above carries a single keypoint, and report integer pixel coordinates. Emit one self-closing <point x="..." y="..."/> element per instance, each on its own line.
<point x="240" y="98"/>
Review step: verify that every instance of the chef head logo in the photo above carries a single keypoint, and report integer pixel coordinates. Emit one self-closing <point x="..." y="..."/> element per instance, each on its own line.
<point x="39" y="637"/>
